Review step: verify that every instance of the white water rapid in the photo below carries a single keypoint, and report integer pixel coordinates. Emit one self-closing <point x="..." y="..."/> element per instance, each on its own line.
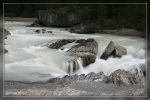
<point x="29" y="59"/>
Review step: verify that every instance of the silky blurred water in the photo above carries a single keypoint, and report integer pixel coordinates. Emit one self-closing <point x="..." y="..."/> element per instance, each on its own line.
<point x="29" y="59"/>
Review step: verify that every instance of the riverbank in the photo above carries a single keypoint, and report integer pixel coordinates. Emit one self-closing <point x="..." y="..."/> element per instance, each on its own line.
<point x="77" y="88"/>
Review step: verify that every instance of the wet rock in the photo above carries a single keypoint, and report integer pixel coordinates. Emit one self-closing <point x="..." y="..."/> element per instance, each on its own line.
<point x="143" y="69"/>
<point x="60" y="43"/>
<point x="90" y="76"/>
<point x="86" y="50"/>
<point x="38" y="31"/>
<point x="55" y="18"/>
<point x="119" y="51"/>
<point x="82" y="77"/>
<point x="113" y="50"/>
<point x="99" y="75"/>
<point x="43" y="30"/>
<point x="87" y="28"/>
<point x="73" y="78"/>
<point x="6" y="33"/>
<point x="86" y="57"/>
<point x="83" y="58"/>
<point x="49" y="32"/>
<point x="122" y="77"/>
<point x="1" y="50"/>
<point x="89" y="45"/>
<point x="5" y="51"/>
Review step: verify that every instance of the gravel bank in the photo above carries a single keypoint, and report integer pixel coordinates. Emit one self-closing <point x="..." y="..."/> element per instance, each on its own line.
<point x="77" y="88"/>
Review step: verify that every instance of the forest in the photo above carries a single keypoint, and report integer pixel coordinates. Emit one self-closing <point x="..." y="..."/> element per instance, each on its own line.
<point x="113" y="15"/>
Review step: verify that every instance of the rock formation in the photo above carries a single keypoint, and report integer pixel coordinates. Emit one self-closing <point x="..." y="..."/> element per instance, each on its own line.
<point x="113" y="50"/>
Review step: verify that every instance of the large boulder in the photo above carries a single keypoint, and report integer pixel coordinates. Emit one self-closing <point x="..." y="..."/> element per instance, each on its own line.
<point x="55" y="18"/>
<point x="87" y="28"/>
<point x="60" y="43"/>
<point x="6" y="33"/>
<point x="89" y="45"/>
<point x="86" y="57"/>
<point x="114" y="51"/>
<point x="73" y="78"/>
<point x="83" y="49"/>
<point x="122" y="77"/>
<point x="86" y="50"/>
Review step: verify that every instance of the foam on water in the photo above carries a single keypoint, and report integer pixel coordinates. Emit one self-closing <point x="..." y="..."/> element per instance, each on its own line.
<point x="29" y="59"/>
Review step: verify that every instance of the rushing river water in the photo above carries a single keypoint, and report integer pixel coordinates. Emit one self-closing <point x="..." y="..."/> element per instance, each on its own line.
<point x="29" y="59"/>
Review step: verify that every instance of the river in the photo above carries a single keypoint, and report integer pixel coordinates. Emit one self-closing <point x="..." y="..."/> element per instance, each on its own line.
<point x="29" y="58"/>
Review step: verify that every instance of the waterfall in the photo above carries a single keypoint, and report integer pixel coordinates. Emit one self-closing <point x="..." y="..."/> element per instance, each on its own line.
<point x="80" y="62"/>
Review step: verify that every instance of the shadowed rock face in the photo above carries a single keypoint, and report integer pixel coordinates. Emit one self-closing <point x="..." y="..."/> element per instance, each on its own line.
<point x="58" y="19"/>
<point x="122" y="77"/>
<point x="113" y="50"/>
<point x="85" y="28"/>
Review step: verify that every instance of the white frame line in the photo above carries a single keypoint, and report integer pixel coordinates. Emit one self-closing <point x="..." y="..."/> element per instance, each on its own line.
<point x="73" y="4"/>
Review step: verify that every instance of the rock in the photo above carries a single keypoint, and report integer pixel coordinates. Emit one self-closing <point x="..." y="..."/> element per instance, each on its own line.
<point x="108" y="50"/>
<point x="143" y="69"/>
<point x="113" y="50"/>
<point x="89" y="45"/>
<point x="38" y="31"/>
<point x="60" y="43"/>
<point x="6" y="33"/>
<point x="1" y="50"/>
<point x="122" y="77"/>
<point x="81" y="77"/>
<point x="43" y="30"/>
<point x="119" y="51"/>
<point x="49" y="32"/>
<point x="84" y="49"/>
<point x="99" y="75"/>
<point x="5" y="51"/>
<point x="79" y="60"/>
<point x="73" y="78"/>
<point x="86" y="57"/>
<point x="87" y="28"/>
<point x="55" y="18"/>
<point x="90" y="76"/>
